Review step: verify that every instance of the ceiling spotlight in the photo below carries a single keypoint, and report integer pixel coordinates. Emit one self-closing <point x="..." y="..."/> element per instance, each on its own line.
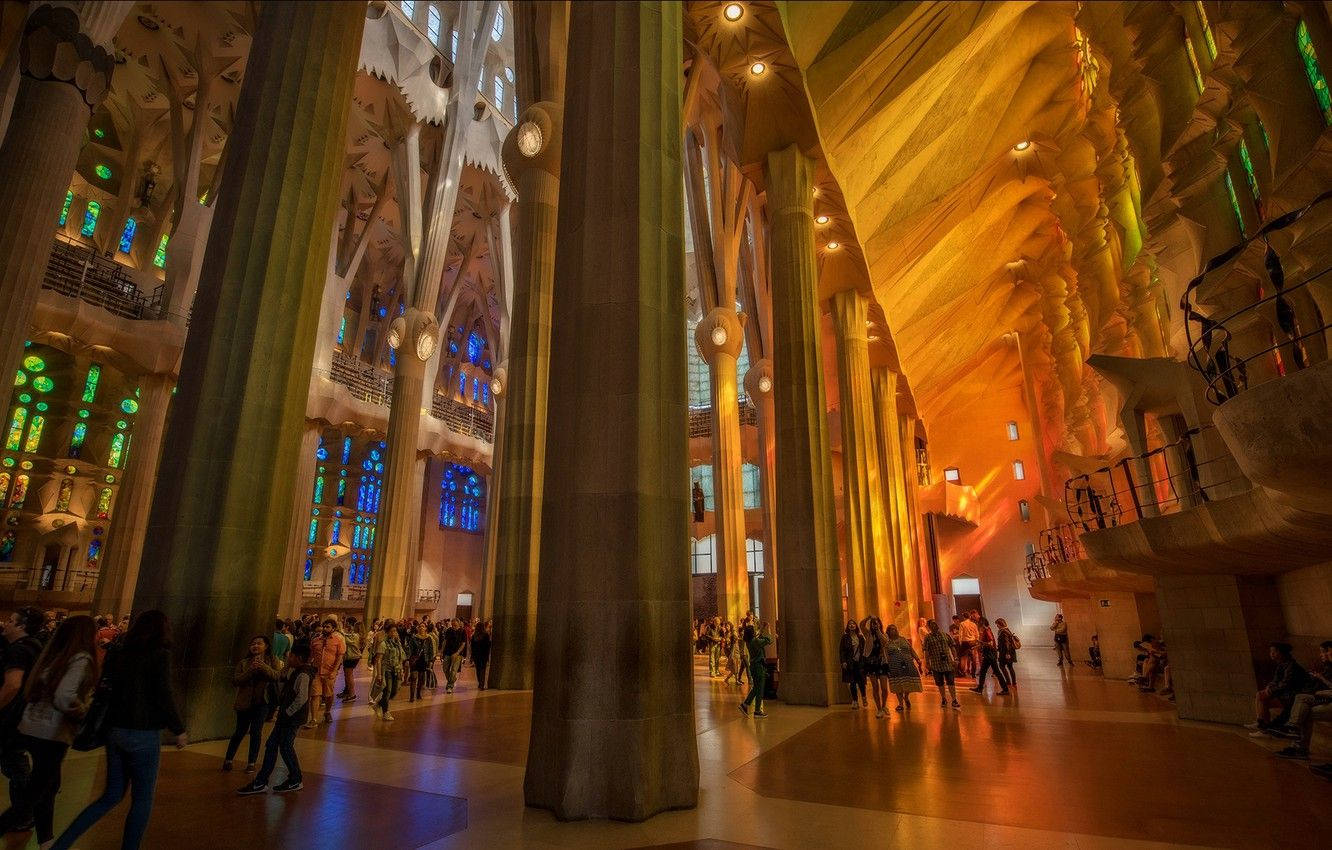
<point x="765" y="384"/>
<point x="734" y="11"/>
<point x="719" y="335"/>
<point x="833" y="246"/>
<point x="1022" y="145"/>
<point x="823" y="219"/>
<point x="757" y="69"/>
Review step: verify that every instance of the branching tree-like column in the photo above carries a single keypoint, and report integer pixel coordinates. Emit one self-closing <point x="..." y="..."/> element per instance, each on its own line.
<point x="613" y="710"/>
<point x="811" y="598"/>
<point x="220" y="520"/>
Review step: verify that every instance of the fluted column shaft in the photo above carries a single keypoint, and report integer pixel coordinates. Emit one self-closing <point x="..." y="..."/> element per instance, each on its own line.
<point x="119" y="572"/>
<point x="298" y="528"/>
<point x="613" y="731"/>
<point x="220" y="521"/>
<point x="810" y="600"/>
<point x="522" y="450"/>
<point x="719" y="338"/>
<point x="883" y="382"/>
<point x="386" y="591"/>
<point x="63" y="76"/>
<point x="870" y="580"/>
<point x="910" y="483"/>
<point x="758" y="385"/>
<point x="412" y="579"/>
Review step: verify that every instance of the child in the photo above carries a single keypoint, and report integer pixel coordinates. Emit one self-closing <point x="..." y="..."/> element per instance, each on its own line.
<point x="1094" y="652"/>
<point x="293" y="710"/>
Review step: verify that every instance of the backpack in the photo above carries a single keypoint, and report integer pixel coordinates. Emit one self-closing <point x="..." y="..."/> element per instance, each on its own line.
<point x="1017" y="641"/>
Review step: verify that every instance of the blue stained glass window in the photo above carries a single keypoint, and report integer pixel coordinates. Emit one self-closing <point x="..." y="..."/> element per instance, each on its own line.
<point x="342" y="491"/>
<point x="342" y="330"/>
<point x="461" y="499"/>
<point x="476" y="389"/>
<point x="337" y="531"/>
<point x="90" y="219"/>
<point x="319" y="490"/>
<point x="127" y="237"/>
<point x="448" y="497"/>
<point x="314" y="531"/>
<point x="485" y="392"/>
<point x="475" y="345"/>
<point x="309" y="568"/>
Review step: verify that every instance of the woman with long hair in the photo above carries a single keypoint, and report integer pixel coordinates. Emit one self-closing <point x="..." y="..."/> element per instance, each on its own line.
<point x="141" y="706"/>
<point x="57" y="692"/>
<point x="902" y="665"/>
<point x="389" y="659"/>
<point x="852" y="655"/>
<point x="254" y="673"/>
<point x="989" y="660"/>
<point x="1008" y="647"/>
<point x="875" y="661"/>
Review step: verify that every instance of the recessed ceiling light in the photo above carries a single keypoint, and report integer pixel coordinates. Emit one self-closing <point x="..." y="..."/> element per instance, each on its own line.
<point x="1022" y="145"/>
<point x="823" y="219"/>
<point x="833" y="246"/>
<point x="734" y="11"/>
<point x="757" y="68"/>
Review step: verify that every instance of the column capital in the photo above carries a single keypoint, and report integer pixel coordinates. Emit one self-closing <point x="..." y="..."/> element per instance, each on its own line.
<point x="758" y="380"/>
<point x="721" y="331"/>
<point x="535" y="142"/>
<point x="55" y="48"/>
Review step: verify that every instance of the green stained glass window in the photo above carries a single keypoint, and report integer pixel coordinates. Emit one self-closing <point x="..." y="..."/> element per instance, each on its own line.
<point x="17" y="420"/>
<point x="117" y="452"/>
<point x="1234" y="201"/>
<point x="64" y="211"/>
<point x="83" y="414"/>
<point x="1208" y="37"/>
<point x="129" y="405"/>
<point x="33" y="363"/>
<point x="66" y="493"/>
<point x="319" y="490"/>
<point x="159" y="258"/>
<point x="99" y="133"/>
<point x="25" y="398"/>
<point x="1193" y="63"/>
<point x="121" y="424"/>
<point x="90" y="383"/>
<point x="20" y="378"/>
<point x="76" y="441"/>
<point x="102" y="170"/>
<point x="104" y="502"/>
<point x="1250" y="177"/>
<point x="35" y="429"/>
<point x="90" y="219"/>
<point x="127" y="237"/>
<point x="41" y="405"/>
<point x="314" y="531"/>
<point x="42" y="384"/>
<point x="1313" y="71"/>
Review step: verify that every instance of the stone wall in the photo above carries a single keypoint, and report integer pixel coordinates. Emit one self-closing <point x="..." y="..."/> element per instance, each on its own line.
<point x="1306" y="601"/>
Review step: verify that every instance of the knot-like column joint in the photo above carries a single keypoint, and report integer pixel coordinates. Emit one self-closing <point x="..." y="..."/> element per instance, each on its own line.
<point x="416" y="330"/>
<point x="55" y="48"/>
<point x="758" y="380"/>
<point x="721" y="331"/>
<point x="534" y="142"/>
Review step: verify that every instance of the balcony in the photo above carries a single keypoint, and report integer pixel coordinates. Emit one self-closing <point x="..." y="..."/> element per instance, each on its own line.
<point x="700" y="419"/>
<point x="69" y="590"/>
<point x="75" y="271"/>
<point x="372" y="386"/>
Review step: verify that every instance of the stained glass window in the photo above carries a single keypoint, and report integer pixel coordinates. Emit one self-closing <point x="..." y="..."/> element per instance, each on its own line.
<point x="90" y="383"/>
<point x="90" y="219"/>
<point x="65" y="494"/>
<point x="94" y="550"/>
<point x="76" y="440"/>
<point x="342" y="490"/>
<point x="475" y="345"/>
<point x="1313" y="71"/>
<point x="432" y="24"/>
<point x="342" y="330"/>
<point x="499" y="92"/>
<point x="319" y="490"/>
<point x="130" y="406"/>
<point x="117" y="452"/>
<point x="64" y="211"/>
<point x="1208" y="38"/>
<point x="408" y="8"/>
<point x="462" y="384"/>
<point x="20" y="493"/>
<point x="453" y="47"/>
<point x="702" y="476"/>
<point x="35" y="429"/>
<point x="749" y="475"/>
<point x="1193" y="63"/>
<point x="104" y="503"/>
<point x="17" y="420"/>
<point x="1234" y="201"/>
<point x="159" y="257"/>
<point x="346" y="449"/>
<point x="448" y="496"/>
<point x="42" y="384"/>
<point x="314" y="531"/>
<point x="5" y="478"/>
<point x="7" y="546"/>
<point x="1251" y="178"/>
<point x="102" y="170"/>
<point x="127" y="237"/>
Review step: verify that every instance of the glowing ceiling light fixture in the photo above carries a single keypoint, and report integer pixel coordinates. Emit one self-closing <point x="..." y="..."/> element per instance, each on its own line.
<point x="719" y="335"/>
<point x="733" y="11"/>
<point x="1022" y="146"/>
<point x="765" y="384"/>
<point x="757" y="69"/>
<point x="833" y="246"/>
<point x="823" y="219"/>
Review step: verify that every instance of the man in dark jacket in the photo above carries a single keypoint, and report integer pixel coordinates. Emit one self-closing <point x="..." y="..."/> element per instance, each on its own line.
<point x="481" y="652"/>
<point x="293" y="711"/>
<point x="455" y="641"/>
<point x="1288" y="679"/>
<point x="22" y="646"/>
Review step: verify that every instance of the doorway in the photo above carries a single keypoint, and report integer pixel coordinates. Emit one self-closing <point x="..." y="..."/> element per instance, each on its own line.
<point x="464" y="606"/>
<point x="335" y="584"/>
<point x="967" y="596"/>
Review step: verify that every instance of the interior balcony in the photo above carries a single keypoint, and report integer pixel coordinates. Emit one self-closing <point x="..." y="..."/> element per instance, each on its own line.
<point x="955" y="505"/>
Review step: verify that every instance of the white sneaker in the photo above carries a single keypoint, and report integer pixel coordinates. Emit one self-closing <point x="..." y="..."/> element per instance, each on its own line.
<point x="388" y="715"/>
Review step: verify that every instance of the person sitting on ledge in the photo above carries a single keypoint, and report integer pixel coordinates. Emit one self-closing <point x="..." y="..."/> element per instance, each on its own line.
<point x="1155" y="663"/>
<point x="1309" y="707"/>
<point x="1273" y="703"/>
<point x="1094" y="652"/>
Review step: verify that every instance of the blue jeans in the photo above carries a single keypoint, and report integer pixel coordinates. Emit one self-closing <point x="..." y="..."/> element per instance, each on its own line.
<point x="281" y="739"/>
<point x="132" y="756"/>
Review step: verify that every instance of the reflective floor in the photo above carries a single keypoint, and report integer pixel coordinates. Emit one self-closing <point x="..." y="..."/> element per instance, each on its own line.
<point x="1069" y="760"/>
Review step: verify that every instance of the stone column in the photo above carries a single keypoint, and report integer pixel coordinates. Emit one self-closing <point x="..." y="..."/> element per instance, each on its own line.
<point x="883" y="382"/>
<point x="119" y="571"/>
<point x="758" y="386"/>
<point x="220" y="521"/>
<point x="64" y="75"/>
<point x="298" y="526"/>
<point x="811" y="599"/>
<point x="871" y="584"/>
<point x="911" y="589"/>
<point x="613" y="731"/>
<point x="719" y="338"/>
<point x="412" y="578"/>
<point x="521" y="444"/>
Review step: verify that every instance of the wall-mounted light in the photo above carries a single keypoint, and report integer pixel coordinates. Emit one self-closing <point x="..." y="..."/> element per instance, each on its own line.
<point x="765" y="384"/>
<point x="833" y="246"/>
<point x="1022" y="146"/>
<point x="733" y="11"/>
<point x="719" y="336"/>
<point x="823" y="219"/>
<point x="757" y="69"/>
<point x="529" y="138"/>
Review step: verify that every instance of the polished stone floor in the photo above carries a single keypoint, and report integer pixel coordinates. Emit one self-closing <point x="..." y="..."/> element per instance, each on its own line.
<point x="1069" y="760"/>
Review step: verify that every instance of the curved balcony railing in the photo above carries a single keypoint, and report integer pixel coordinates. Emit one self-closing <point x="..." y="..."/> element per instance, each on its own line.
<point x="1164" y="480"/>
<point x="700" y="419"/>
<point x="368" y="384"/>
<point x="1060" y="544"/>
<point x="76" y="271"/>
<point x="1297" y="332"/>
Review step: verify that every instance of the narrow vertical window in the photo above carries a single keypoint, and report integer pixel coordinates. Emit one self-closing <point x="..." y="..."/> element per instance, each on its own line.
<point x="408" y="8"/>
<point x="127" y="235"/>
<point x="104" y="503"/>
<point x="35" y="429"/>
<point x="1251" y="178"/>
<point x="1313" y="71"/>
<point x="65" y="494"/>
<point x="64" y="211"/>
<point x="1234" y="201"/>
<point x="117" y="451"/>
<point x="432" y="25"/>
<point x="90" y="383"/>
<point x="17" y="420"/>
<point x="159" y="256"/>
<point x="1208" y="38"/>
<point x="90" y="219"/>
<point x="76" y="440"/>
<point x="1012" y="431"/>
<point x="20" y="493"/>
<point x="1193" y="63"/>
<point x="1024" y="510"/>
<point x="1019" y="471"/>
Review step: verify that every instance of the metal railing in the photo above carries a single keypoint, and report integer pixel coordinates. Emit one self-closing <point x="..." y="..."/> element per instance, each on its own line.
<point x="372" y="386"/>
<point x="333" y="593"/>
<point x="427" y="595"/>
<point x="76" y="271"/>
<point x="1164" y="480"/>
<point x="700" y="419"/>
<point x="1060" y="544"/>
<point x="1294" y="319"/>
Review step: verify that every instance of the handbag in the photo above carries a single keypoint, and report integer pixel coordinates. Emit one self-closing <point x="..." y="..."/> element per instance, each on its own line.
<point x="94" y="728"/>
<point x="376" y="688"/>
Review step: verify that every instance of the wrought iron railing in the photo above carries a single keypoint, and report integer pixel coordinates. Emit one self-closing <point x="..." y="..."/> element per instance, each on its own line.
<point x="1163" y="480"/>
<point x="1061" y="544"/>
<point x="76" y="271"/>
<point x="427" y="595"/>
<point x="333" y="593"/>
<point x="700" y="419"/>
<point x="1298" y="333"/>
<point x="372" y="386"/>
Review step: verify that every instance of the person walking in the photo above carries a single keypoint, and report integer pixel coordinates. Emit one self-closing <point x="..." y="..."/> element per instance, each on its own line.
<point x="989" y="660"/>
<point x="968" y="639"/>
<point x="281" y="639"/>
<point x="354" y="640"/>
<point x="418" y="652"/>
<point x="876" y="663"/>
<point x="714" y="636"/>
<point x="940" y="653"/>
<point x="481" y="653"/>
<point x="142" y="704"/>
<point x="293" y="707"/>
<point x="22" y="647"/>
<point x="852" y="655"/>
<point x="252" y="678"/>
<point x="758" y="672"/>
<point x="57" y="694"/>
<point x="1009" y="644"/>
<point x="903" y="667"/>
<point x="1060" y="629"/>
<point x="326" y="653"/>
<point x="389" y="662"/>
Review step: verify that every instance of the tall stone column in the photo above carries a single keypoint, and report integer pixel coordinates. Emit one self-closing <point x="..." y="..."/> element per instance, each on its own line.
<point x="758" y="386"/>
<point x="64" y="74"/>
<point x="871" y="587"/>
<point x="913" y="588"/>
<point x="535" y="166"/>
<point x="119" y="571"/>
<point x="412" y="580"/>
<point x="883" y="382"/>
<point x="719" y="338"/>
<point x="811" y="599"/>
<point x="220" y="521"/>
<point x="298" y="526"/>
<point x="613" y="731"/>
